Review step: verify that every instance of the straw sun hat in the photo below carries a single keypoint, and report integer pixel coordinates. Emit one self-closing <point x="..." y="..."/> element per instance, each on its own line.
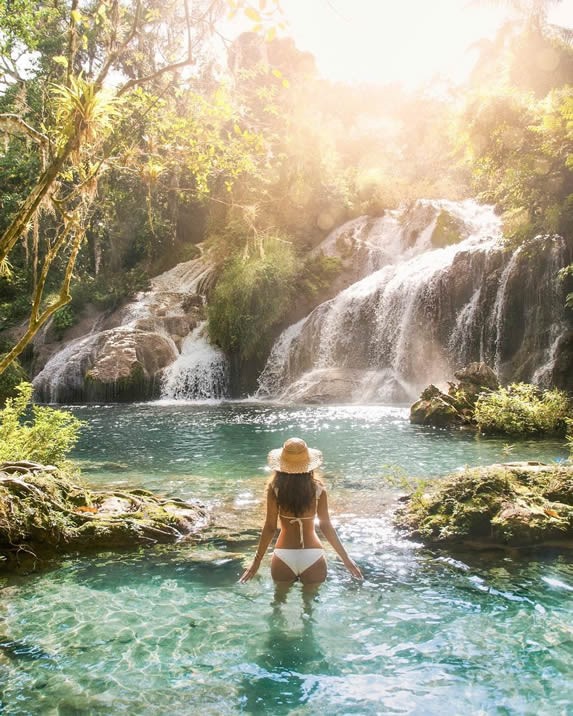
<point x="294" y="457"/>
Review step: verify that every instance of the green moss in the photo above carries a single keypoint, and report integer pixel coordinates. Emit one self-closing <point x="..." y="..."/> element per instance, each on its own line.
<point x="49" y="510"/>
<point x="514" y="504"/>
<point x="448" y="230"/>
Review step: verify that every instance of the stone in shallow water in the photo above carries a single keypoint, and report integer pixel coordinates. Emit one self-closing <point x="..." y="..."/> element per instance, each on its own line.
<point x="507" y="505"/>
<point x="47" y="512"/>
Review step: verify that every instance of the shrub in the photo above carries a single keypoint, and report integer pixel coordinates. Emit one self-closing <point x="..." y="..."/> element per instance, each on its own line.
<point x="250" y="297"/>
<point x="318" y="272"/>
<point x="63" y="319"/>
<point x="33" y="432"/>
<point x="10" y="379"/>
<point x="522" y="408"/>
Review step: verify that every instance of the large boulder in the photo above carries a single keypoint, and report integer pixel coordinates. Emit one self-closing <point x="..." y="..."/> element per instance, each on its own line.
<point x="122" y="363"/>
<point x="476" y="377"/>
<point x="513" y="504"/>
<point x="455" y="407"/>
<point x="435" y="410"/>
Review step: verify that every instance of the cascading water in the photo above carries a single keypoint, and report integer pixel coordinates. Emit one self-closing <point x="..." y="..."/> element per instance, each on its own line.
<point x="427" y="312"/>
<point x="200" y="373"/>
<point x="126" y="356"/>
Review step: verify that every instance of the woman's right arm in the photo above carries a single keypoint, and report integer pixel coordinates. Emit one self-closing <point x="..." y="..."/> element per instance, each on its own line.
<point x="267" y="533"/>
<point x="330" y="535"/>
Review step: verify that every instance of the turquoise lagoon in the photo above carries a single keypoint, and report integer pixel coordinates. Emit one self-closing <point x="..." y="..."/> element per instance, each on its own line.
<point x="168" y="630"/>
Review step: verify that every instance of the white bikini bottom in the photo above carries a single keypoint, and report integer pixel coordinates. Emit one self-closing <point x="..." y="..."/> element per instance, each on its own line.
<point x="299" y="559"/>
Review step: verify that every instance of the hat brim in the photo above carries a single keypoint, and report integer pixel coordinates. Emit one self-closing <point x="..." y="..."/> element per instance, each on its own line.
<point x="282" y="462"/>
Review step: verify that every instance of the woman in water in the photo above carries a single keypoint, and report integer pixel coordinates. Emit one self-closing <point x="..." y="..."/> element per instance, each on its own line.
<point x="297" y="497"/>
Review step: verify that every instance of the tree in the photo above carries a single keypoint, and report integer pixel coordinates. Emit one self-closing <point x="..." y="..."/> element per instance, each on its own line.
<point x="87" y="62"/>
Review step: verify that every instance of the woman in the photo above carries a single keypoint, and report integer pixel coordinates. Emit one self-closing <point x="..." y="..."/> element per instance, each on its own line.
<point x="296" y="497"/>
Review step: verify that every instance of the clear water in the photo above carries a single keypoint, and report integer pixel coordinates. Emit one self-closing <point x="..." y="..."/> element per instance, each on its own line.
<point x="168" y="630"/>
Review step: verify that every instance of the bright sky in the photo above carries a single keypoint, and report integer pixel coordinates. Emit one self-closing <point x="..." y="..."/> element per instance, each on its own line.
<point x="409" y="41"/>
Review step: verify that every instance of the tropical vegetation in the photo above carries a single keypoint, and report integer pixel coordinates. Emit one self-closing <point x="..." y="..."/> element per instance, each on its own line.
<point x="128" y="140"/>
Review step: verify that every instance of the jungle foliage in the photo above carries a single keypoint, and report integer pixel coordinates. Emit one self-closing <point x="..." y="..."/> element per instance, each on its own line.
<point x="523" y="409"/>
<point x="34" y="432"/>
<point x="251" y="296"/>
<point x="140" y="172"/>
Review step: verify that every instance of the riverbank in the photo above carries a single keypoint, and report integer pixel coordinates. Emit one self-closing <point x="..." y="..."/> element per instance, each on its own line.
<point x="44" y="511"/>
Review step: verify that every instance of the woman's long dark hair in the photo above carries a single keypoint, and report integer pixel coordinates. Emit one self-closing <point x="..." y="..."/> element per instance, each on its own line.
<point x="295" y="492"/>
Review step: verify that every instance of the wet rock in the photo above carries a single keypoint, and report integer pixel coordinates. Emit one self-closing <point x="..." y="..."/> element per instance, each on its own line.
<point x="513" y="504"/>
<point x="46" y="511"/>
<point x="121" y="356"/>
<point x="456" y="406"/>
<point x="477" y="376"/>
<point x="435" y="411"/>
<point x="448" y="230"/>
<point x="118" y="364"/>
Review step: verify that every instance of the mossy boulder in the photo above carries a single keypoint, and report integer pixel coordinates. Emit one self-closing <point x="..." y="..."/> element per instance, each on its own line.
<point x="511" y="504"/>
<point x="456" y="407"/>
<point x="44" y="510"/>
<point x="435" y="410"/>
<point x="448" y="230"/>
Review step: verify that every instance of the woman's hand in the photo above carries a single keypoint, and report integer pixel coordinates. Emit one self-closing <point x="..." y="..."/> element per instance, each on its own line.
<point x="353" y="568"/>
<point x="250" y="572"/>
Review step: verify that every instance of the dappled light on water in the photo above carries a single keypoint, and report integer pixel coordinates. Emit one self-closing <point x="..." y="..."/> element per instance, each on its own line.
<point x="169" y="629"/>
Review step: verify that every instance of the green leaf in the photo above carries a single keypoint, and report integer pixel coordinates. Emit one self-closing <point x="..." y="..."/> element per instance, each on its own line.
<point x="61" y="60"/>
<point x="76" y="16"/>
<point x="252" y="14"/>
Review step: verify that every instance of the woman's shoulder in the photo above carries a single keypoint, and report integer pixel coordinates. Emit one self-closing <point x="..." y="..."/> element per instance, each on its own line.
<point x="319" y="488"/>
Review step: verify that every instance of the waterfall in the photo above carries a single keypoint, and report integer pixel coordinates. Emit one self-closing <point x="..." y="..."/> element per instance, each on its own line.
<point x="156" y="339"/>
<point x="201" y="371"/>
<point x="63" y="376"/>
<point x="426" y="311"/>
<point x="277" y="369"/>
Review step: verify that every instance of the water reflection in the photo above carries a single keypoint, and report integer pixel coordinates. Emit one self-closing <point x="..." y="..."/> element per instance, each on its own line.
<point x="284" y="671"/>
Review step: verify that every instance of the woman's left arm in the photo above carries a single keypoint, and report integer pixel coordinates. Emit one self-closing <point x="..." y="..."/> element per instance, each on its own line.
<point x="268" y="532"/>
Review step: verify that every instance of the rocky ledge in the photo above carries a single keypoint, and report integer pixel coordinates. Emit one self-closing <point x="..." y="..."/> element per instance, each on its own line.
<point x="512" y="504"/>
<point x="456" y="407"/>
<point x="44" y="511"/>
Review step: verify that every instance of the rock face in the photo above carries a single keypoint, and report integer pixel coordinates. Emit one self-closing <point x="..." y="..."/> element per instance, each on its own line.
<point x="47" y="511"/>
<point x="124" y="356"/>
<point x="456" y="406"/>
<point x="420" y="292"/>
<point x="344" y="385"/>
<point x="118" y="364"/>
<point x="513" y="504"/>
<point x="431" y="305"/>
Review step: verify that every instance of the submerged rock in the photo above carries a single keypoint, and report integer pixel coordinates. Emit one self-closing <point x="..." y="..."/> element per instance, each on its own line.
<point x="44" y="510"/>
<point x="513" y="504"/>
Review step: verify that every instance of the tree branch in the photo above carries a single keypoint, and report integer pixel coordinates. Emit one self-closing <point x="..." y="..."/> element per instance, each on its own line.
<point x="121" y="48"/>
<point x="188" y="60"/>
<point x="36" y="322"/>
<point x="17" y="124"/>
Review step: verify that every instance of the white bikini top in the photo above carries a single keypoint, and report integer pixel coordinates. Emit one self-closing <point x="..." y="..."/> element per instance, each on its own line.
<point x="299" y="520"/>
